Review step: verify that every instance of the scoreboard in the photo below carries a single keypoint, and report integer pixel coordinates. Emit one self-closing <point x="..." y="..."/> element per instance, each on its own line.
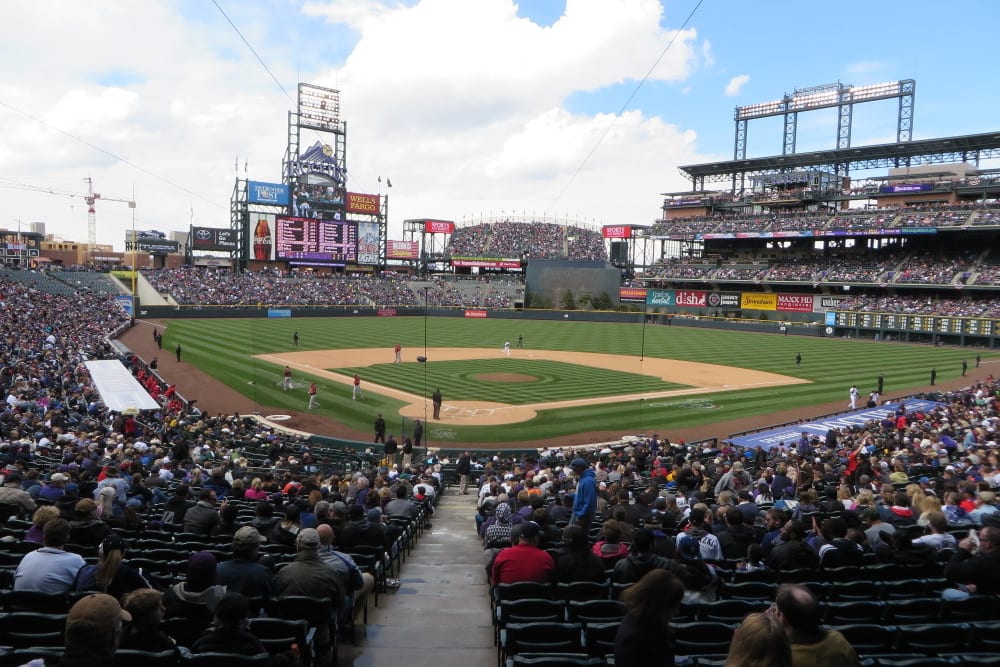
<point x="314" y="240"/>
<point x="973" y="326"/>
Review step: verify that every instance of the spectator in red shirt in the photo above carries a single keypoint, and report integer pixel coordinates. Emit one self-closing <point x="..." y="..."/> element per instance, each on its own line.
<point x="524" y="561"/>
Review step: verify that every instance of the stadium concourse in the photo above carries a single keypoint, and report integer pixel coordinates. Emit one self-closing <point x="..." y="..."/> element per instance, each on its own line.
<point x="74" y="471"/>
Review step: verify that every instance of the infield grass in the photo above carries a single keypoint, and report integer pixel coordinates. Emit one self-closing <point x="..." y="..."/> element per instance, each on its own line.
<point x="224" y="348"/>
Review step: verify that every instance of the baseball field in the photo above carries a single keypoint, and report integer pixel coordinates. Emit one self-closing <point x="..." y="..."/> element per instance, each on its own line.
<point x="568" y="378"/>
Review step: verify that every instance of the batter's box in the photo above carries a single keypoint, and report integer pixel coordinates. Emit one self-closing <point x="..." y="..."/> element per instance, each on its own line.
<point x="465" y="413"/>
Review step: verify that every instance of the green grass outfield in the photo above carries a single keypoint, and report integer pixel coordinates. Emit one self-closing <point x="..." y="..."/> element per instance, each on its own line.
<point x="224" y="348"/>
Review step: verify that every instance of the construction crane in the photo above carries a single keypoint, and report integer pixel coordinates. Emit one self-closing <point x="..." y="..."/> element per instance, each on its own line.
<point x="90" y="197"/>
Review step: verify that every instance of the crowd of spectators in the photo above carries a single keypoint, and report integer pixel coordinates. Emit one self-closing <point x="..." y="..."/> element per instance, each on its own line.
<point x="923" y="305"/>
<point x="539" y="240"/>
<point x="91" y="484"/>
<point x="190" y="286"/>
<point x="903" y="490"/>
<point x="932" y="269"/>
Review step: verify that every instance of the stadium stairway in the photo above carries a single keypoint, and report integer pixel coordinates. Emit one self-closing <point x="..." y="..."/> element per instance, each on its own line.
<point x="440" y="614"/>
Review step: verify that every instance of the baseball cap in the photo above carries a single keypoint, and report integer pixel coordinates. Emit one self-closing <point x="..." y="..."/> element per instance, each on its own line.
<point x="58" y="477"/>
<point x="97" y="613"/>
<point x="529" y="529"/>
<point x="308" y="538"/>
<point x="247" y="536"/>
<point x="578" y="463"/>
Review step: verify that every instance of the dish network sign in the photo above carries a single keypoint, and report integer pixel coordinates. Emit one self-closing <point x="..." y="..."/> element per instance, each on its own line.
<point x="617" y="232"/>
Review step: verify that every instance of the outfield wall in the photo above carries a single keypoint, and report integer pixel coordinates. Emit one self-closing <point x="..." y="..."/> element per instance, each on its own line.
<point x="931" y="334"/>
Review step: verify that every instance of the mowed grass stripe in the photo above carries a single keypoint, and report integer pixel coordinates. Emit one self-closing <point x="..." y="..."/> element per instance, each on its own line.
<point x="552" y="380"/>
<point x="224" y="348"/>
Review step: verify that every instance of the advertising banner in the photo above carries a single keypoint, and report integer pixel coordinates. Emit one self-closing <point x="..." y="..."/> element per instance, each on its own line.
<point x="907" y="187"/>
<point x="261" y="241"/>
<point x="825" y="302"/>
<point x="359" y="203"/>
<point x="151" y="245"/>
<point x="616" y="232"/>
<point x="723" y="300"/>
<point x="691" y="298"/>
<point x="402" y="250"/>
<point x="279" y="312"/>
<point x="660" y="297"/>
<point x="796" y="303"/>
<point x="488" y="263"/>
<point x="386" y="312"/>
<point x="367" y="242"/>
<point x="439" y="226"/>
<point x="758" y="301"/>
<point x="632" y="294"/>
<point x="479" y="314"/>
<point x="267" y="193"/>
<point x="211" y="238"/>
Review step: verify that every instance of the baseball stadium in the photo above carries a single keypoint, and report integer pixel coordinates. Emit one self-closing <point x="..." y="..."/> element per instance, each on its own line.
<point x="832" y="312"/>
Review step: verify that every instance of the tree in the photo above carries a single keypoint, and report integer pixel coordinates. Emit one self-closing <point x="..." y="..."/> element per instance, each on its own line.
<point x="568" y="302"/>
<point x="603" y="302"/>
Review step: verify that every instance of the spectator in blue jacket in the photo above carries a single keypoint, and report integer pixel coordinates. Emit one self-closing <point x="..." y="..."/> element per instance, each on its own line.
<point x="585" y="499"/>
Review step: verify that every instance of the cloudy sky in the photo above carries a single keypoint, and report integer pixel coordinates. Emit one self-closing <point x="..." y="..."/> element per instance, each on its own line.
<point x="471" y="107"/>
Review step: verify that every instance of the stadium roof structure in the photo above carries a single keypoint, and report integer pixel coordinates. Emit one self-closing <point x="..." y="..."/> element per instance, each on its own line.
<point x="966" y="148"/>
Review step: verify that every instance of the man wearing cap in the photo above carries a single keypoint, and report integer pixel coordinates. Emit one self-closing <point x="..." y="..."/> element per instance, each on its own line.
<point x="524" y="561"/>
<point x="11" y="493"/>
<point x="243" y="573"/>
<point x="50" y="569"/>
<point x="308" y="575"/>
<point x="356" y="584"/>
<point x="698" y="527"/>
<point x="93" y="630"/>
<point x="56" y="488"/>
<point x="585" y="496"/>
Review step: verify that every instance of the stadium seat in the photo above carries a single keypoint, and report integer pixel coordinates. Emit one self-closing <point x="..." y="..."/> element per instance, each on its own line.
<point x="701" y="637"/>
<point x="538" y="638"/>
<point x="934" y="637"/>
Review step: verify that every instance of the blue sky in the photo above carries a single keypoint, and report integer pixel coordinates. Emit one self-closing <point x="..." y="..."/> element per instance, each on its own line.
<point x="472" y="107"/>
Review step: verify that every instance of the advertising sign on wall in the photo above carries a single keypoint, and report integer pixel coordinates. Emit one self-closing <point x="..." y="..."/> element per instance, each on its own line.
<point x="367" y="242"/>
<point x="439" y="226"/>
<point x="660" y="297"/>
<point x="616" y="232"/>
<point x="359" y="203"/>
<point x="796" y="303"/>
<point x="267" y="193"/>
<point x="212" y="238"/>
<point x="723" y="300"/>
<point x="402" y="250"/>
<point x="691" y="298"/>
<point x="632" y="294"/>
<point x="758" y="301"/>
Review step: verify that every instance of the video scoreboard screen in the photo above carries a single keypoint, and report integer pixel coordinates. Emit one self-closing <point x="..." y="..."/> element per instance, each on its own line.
<point x="308" y="239"/>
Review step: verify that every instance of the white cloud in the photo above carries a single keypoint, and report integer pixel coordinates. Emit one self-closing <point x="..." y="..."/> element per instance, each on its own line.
<point x="463" y="104"/>
<point x="866" y="67"/>
<point x="735" y="85"/>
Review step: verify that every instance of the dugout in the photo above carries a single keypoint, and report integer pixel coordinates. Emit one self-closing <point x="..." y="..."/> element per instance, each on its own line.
<point x="551" y="278"/>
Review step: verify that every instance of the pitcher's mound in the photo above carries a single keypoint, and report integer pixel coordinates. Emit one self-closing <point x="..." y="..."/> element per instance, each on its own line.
<point x="504" y="377"/>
